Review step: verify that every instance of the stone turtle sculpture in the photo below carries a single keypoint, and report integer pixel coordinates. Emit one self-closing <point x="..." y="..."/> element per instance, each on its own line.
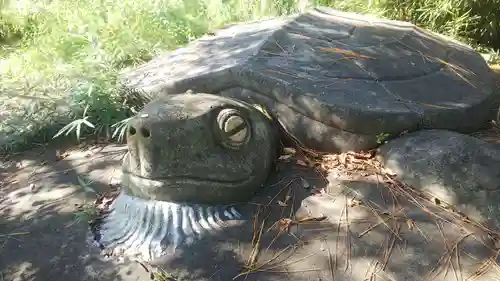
<point x="187" y="156"/>
<point x="335" y="81"/>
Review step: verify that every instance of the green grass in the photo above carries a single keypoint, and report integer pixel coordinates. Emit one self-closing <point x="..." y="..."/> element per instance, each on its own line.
<point x="59" y="59"/>
<point x="61" y="53"/>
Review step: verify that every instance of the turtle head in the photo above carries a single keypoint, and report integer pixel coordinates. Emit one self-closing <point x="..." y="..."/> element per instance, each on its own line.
<point x="198" y="148"/>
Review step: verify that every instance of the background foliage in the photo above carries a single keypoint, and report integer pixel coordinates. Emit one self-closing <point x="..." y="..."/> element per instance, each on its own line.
<point x="474" y="21"/>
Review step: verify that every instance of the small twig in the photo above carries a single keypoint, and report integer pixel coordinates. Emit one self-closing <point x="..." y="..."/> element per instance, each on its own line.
<point x="484" y="267"/>
<point x="383" y="221"/>
<point x="289" y="271"/>
<point x="14" y="234"/>
<point x="337" y="240"/>
<point x="259" y="268"/>
<point x="274" y="257"/>
<point x="256" y="249"/>
<point x="391" y="246"/>
<point x="217" y="271"/>
<point x="330" y="261"/>
<point x="279" y="192"/>
<point x="459" y="240"/>
<point x="348" y="236"/>
<point x="292" y="262"/>
<point x="447" y="248"/>
<point x="371" y="227"/>
<point x="373" y="264"/>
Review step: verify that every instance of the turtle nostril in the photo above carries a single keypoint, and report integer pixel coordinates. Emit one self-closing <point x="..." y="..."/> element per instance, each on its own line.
<point x="145" y="132"/>
<point x="131" y="130"/>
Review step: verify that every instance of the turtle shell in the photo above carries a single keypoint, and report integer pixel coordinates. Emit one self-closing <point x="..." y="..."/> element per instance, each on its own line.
<point x="336" y="81"/>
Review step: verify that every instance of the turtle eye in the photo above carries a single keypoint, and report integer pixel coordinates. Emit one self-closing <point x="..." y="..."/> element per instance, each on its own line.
<point x="233" y="128"/>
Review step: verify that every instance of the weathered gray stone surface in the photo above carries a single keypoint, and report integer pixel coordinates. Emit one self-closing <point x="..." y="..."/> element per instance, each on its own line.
<point x="198" y="148"/>
<point x="347" y="77"/>
<point x="457" y="169"/>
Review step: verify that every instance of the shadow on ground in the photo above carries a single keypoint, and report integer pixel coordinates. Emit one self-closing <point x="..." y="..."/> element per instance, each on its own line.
<point x="43" y="228"/>
<point x="382" y="235"/>
<point x="370" y="231"/>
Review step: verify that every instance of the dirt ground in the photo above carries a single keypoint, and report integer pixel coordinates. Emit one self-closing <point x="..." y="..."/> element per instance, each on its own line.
<point x="349" y="229"/>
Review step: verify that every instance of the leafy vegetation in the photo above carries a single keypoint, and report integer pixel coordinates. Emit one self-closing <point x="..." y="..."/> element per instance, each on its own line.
<point x="475" y="22"/>
<point x="59" y="59"/>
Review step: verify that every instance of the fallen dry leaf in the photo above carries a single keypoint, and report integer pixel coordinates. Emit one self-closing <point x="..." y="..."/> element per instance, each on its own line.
<point x="316" y="191"/>
<point x="285" y="157"/>
<point x="289" y="150"/>
<point x="354" y="202"/>
<point x="301" y="163"/>
<point x="307" y="219"/>
<point x="285" y="224"/>
<point x="410" y="223"/>
<point x="388" y="172"/>
<point x="282" y="204"/>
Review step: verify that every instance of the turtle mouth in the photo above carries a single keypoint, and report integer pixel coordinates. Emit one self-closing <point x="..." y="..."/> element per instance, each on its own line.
<point x="173" y="188"/>
<point x="188" y="189"/>
<point x="174" y="181"/>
